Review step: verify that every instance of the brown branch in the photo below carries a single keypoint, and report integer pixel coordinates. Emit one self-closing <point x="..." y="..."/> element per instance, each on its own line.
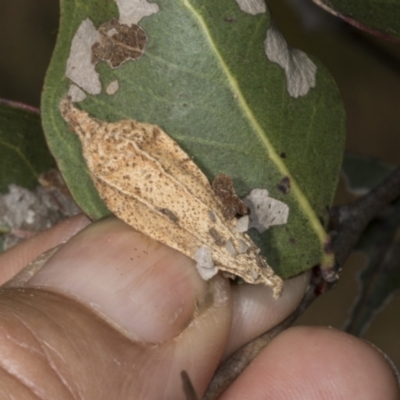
<point x="385" y="271"/>
<point x="21" y="106"/>
<point x="353" y="218"/>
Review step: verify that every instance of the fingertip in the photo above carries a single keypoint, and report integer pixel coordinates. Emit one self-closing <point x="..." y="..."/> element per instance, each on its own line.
<point x="317" y="363"/>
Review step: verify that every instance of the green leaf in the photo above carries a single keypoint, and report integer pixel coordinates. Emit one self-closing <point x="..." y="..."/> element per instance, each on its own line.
<point x="24" y="154"/>
<point x="378" y="17"/>
<point x="206" y="80"/>
<point x="380" y="242"/>
<point x="363" y="173"/>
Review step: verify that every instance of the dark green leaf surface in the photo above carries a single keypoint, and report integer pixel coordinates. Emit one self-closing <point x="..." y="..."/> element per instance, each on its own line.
<point x="23" y="150"/>
<point x="205" y="79"/>
<point x="381" y="276"/>
<point x="379" y="14"/>
<point x="362" y="173"/>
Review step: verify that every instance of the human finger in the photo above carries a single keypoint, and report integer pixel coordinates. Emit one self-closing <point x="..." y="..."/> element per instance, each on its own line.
<point x="255" y="311"/>
<point x="316" y="363"/>
<point x="19" y="256"/>
<point x="111" y="312"/>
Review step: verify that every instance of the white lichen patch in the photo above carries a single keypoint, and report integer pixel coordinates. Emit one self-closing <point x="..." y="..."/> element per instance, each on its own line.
<point x="204" y="263"/>
<point x="76" y="94"/>
<point x="243" y="223"/>
<point x="149" y="182"/>
<point x="265" y="211"/>
<point x="27" y="212"/>
<point x="231" y="248"/>
<point x="80" y="69"/>
<point x="132" y="11"/>
<point x="30" y="217"/>
<point x="252" y="6"/>
<point x="300" y="71"/>
<point x="242" y="248"/>
<point x="124" y="41"/>
<point x="112" y="87"/>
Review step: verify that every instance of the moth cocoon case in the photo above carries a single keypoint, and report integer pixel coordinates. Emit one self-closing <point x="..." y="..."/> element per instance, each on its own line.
<point x="149" y="182"/>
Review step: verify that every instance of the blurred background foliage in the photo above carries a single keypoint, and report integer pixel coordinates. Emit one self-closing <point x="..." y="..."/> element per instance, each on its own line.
<point x="366" y="70"/>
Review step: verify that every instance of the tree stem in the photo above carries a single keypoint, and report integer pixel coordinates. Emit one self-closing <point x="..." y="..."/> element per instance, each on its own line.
<point x="354" y="218"/>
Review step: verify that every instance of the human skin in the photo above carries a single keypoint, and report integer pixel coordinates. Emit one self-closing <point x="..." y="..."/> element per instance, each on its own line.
<point x="115" y="315"/>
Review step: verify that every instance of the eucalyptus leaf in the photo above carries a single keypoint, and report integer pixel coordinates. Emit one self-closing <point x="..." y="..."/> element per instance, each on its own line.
<point x="381" y="15"/>
<point x="24" y="154"/>
<point x="271" y="121"/>
<point x="380" y="278"/>
<point x="363" y="173"/>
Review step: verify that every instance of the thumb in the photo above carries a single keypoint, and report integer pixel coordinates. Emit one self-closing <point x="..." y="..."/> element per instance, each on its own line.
<point x="113" y="312"/>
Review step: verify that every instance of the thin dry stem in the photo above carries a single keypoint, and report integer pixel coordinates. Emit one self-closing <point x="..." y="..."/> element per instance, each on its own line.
<point x="354" y="217"/>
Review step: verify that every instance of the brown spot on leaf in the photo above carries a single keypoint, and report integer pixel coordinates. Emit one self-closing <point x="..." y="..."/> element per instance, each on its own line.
<point x="229" y="19"/>
<point x="169" y="214"/>
<point x="284" y="185"/>
<point x="224" y="190"/>
<point x="211" y="215"/>
<point x="219" y="240"/>
<point x="119" y="43"/>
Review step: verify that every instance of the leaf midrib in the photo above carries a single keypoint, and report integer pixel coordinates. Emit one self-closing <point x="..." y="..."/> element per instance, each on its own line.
<point x="273" y="155"/>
